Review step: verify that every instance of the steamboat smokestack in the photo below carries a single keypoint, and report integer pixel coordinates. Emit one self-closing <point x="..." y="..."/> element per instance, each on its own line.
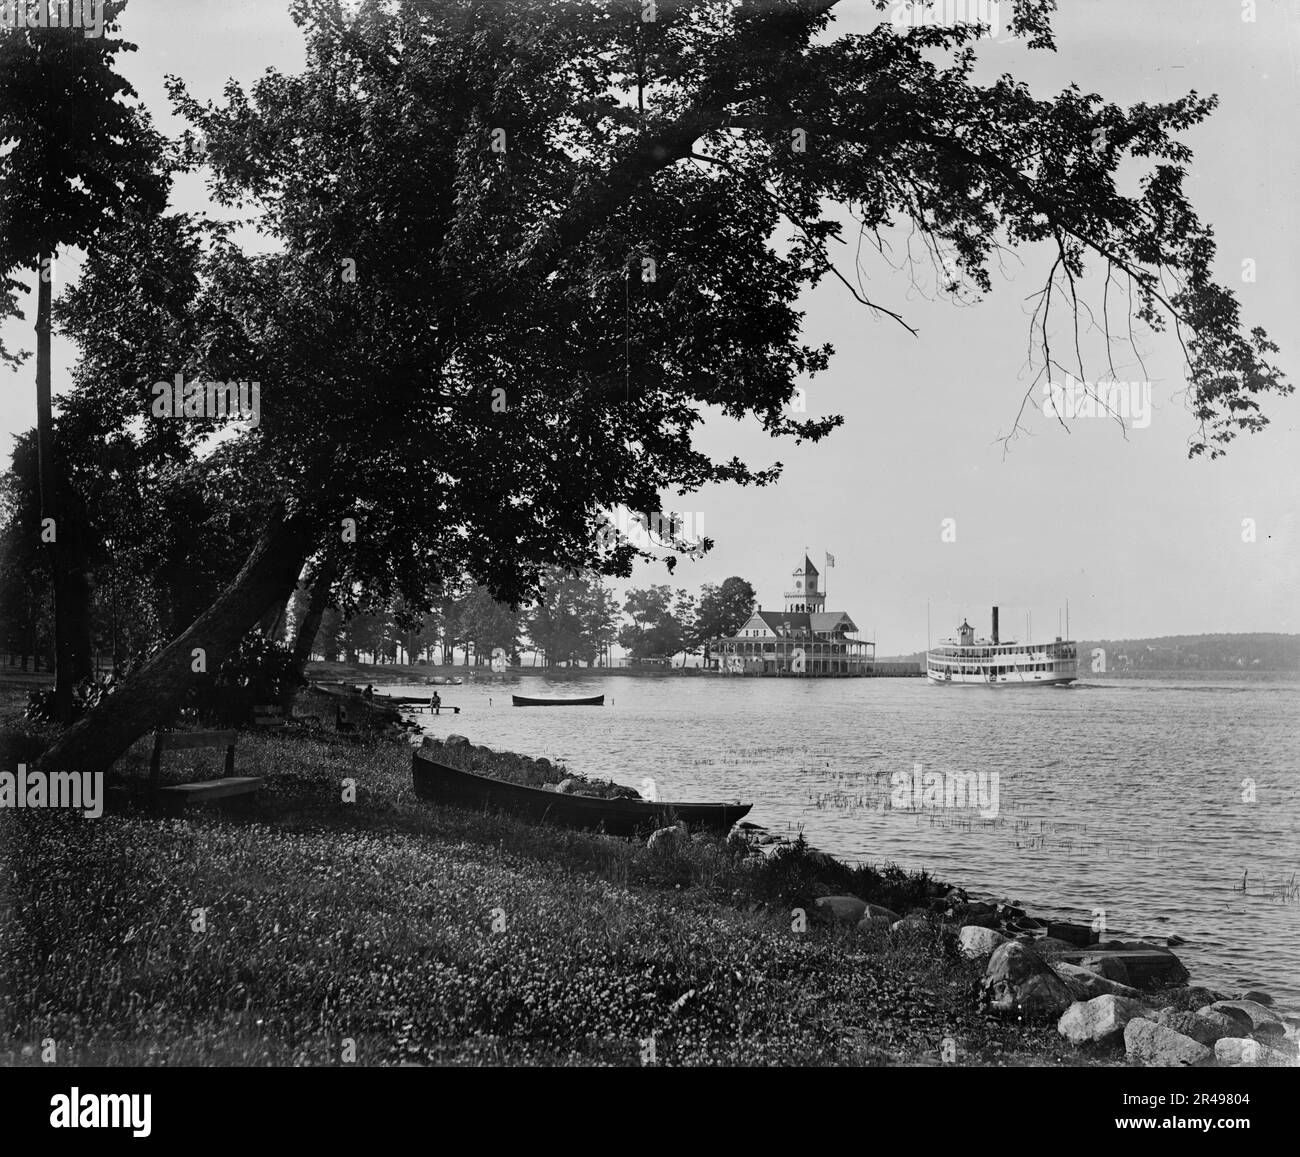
<point x="995" y="626"/>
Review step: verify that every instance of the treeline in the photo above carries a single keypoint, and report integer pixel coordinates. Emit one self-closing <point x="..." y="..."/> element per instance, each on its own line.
<point x="576" y="624"/>
<point x="1246" y="652"/>
<point x="1260" y="652"/>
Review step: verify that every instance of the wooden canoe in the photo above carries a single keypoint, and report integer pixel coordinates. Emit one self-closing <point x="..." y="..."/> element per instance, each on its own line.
<point x="617" y="817"/>
<point x="589" y="701"/>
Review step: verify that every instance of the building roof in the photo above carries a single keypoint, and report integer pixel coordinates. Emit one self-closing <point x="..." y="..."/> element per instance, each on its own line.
<point x="818" y="622"/>
<point x="807" y="567"/>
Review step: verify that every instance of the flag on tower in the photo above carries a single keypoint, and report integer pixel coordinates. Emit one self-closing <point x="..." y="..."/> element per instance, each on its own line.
<point x="830" y="559"/>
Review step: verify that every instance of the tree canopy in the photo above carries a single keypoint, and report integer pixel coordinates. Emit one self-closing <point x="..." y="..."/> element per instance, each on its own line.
<point x="524" y="249"/>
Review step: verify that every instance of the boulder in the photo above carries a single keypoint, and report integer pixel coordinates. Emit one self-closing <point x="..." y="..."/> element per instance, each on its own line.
<point x="429" y="741"/>
<point x="456" y="741"/>
<point x="570" y="786"/>
<point x="1262" y="1020"/>
<point x="1111" y="967"/>
<point x="1156" y="1046"/>
<point x="1080" y="935"/>
<point x="1018" y="981"/>
<point x="848" y="909"/>
<point x="1224" y="1024"/>
<point x="1200" y="1028"/>
<point x="969" y="919"/>
<point x="1049" y="947"/>
<point x="666" y="839"/>
<point x="1257" y="996"/>
<point x="877" y="916"/>
<point x="1194" y="997"/>
<point x="1239" y="1052"/>
<point x="1100" y="1020"/>
<point x="1087" y="984"/>
<point x="975" y="941"/>
<point x="1237" y="1020"/>
<point x="913" y="920"/>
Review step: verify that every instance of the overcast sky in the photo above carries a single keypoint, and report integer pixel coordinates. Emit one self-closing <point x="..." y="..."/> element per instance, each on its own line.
<point x="1141" y="540"/>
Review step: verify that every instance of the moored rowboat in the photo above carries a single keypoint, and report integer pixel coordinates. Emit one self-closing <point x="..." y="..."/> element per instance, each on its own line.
<point x="617" y="817"/>
<point x="589" y="701"/>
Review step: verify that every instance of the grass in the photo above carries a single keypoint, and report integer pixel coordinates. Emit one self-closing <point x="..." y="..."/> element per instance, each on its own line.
<point x="386" y="931"/>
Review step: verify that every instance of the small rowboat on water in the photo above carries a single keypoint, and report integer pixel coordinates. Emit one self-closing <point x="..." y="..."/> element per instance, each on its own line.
<point x="616" y="817"/>
<point x="589" y="701"/>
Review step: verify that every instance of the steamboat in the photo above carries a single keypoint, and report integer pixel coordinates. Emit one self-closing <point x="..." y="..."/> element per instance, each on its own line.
<point x="997" y="662"/>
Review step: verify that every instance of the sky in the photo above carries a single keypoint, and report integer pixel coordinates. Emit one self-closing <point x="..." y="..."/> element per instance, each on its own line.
<point x="917" y="496"/>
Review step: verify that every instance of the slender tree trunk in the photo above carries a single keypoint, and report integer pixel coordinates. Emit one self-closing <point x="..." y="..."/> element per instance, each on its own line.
<point x="317" y="605"/>
<point x="71" y="588"/>
<point x="152" y="696"/>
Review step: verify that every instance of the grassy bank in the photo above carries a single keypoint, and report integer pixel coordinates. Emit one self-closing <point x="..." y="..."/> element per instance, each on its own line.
<point x="435" y="936"/>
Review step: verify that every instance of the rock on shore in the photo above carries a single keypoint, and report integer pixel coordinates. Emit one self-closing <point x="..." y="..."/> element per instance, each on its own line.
<point x="1019" y="981"/>
<point x="1101" y="1020"/>
<point x="1158" y="1046"/>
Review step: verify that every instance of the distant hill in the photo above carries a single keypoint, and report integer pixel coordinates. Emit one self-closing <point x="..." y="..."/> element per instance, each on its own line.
<point x="1267" y="652"/>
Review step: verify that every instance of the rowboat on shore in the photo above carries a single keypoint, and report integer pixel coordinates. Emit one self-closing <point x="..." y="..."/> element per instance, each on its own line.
<point x="589" y="701"/>
<point x="616" y="817"/>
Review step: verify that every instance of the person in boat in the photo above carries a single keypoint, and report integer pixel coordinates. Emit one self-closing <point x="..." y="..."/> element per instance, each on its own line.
<point x="435" y="702"/>
<point x="369" y="692"/>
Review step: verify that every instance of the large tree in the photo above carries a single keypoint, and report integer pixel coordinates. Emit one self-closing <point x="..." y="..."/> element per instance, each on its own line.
<point x="78" y="154"/>
<point x="489" y="624"/>
<point x="723" y="610"/>
<point x="661" y="622"/>
<point x="526" y="245"/>
<point x="573" y="619"/>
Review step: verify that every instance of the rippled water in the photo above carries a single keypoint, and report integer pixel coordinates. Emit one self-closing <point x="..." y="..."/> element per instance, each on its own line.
<point x="1126" y="796"/>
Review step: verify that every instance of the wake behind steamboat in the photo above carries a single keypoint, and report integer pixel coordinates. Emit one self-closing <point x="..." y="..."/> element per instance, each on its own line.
<point x="995" y="662"/>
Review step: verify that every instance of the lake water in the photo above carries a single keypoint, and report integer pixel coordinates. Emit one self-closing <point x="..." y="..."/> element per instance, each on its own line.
<point x="1152" y="800"/>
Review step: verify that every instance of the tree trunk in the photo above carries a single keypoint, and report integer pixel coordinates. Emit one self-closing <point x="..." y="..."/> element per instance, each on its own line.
<point x="270" y="623"/>
<point x="152" y="696"/>
<point x="70" y="588"/>
<point x="316" y="608"/>
<point x="47" y="483"/>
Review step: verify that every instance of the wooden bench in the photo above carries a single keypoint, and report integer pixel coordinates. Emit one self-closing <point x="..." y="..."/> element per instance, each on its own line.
<point x="179" y="796"/>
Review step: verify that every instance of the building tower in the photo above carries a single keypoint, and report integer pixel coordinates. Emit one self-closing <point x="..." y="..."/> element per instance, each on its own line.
<point x="806" y="596"/>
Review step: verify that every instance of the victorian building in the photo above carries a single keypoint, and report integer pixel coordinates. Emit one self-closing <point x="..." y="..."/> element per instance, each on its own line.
<point x="803" y="639"/>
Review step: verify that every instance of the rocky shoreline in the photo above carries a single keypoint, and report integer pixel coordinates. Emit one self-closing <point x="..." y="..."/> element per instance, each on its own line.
<point x="1109" y="997"/>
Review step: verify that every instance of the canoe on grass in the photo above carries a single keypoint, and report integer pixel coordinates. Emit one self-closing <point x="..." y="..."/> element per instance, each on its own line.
<point x="589" y="701"/>
<point x="617" y="817"/>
